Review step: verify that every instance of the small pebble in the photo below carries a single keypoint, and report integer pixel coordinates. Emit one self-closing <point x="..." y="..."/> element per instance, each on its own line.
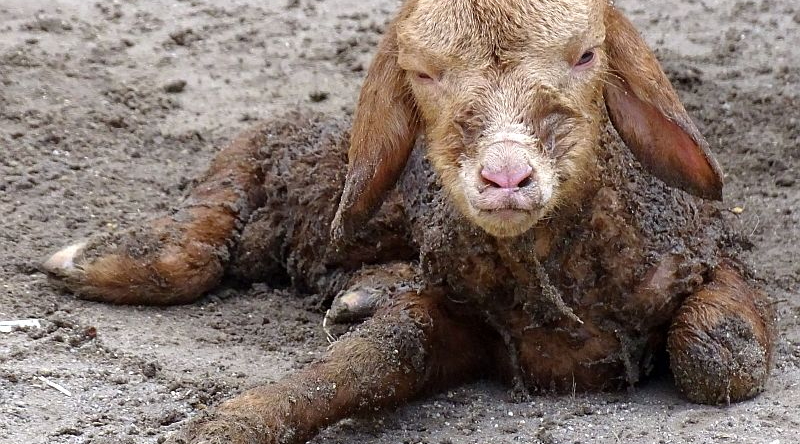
<point x="318" y="96"/>
<point x="175" y="86"/>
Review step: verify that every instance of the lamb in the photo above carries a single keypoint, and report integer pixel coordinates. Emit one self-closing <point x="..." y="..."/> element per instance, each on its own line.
<point x="520" y="176"/>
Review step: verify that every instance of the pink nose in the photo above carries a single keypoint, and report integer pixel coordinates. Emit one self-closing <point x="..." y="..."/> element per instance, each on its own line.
<point x="511" y="177"/>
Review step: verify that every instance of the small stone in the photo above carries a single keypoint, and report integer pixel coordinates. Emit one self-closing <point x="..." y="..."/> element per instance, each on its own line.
<point x="150" y="369"/>
<point x="318" y="96"/>
<point x="175" y="86"/>
<point x="184" y="37"/>
<point x="171" y="417"/>
<point x="116" y="122"/>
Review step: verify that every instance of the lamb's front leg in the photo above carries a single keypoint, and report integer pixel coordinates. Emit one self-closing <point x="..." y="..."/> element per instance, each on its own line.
<point x="411" y="345"/>
<point x="720" y="343"/>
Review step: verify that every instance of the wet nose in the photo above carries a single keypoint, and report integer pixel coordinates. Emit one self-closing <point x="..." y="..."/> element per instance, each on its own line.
<point x="508" y="177"/>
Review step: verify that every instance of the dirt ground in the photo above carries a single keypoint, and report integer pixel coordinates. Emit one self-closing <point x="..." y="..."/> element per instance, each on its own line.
<point x="109" y="109"/>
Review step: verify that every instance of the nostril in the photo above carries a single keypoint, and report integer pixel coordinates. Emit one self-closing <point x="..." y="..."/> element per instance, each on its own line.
<point x="507" y="178"/>
<point x="489" y="183"/>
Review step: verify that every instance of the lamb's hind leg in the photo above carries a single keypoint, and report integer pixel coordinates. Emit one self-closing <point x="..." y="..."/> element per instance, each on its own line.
<point x="176" y="258"/>
<point x="720" y="343"/>
<point x="410" y="345"/>
<point x="263" y="208"/>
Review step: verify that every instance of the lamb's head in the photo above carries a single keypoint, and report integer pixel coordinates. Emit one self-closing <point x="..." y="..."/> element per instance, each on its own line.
<point x="509" y="95"/>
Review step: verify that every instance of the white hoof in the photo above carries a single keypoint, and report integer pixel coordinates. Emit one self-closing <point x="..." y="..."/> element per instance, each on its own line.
<point x="354" y="305"/>
<point x="63" y="261"/>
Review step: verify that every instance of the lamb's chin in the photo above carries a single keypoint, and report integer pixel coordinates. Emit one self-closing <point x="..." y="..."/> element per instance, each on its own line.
<point x="505" y="222"/>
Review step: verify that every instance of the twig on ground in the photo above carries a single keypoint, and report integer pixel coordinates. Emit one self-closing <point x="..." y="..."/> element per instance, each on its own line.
<point x="9" y="326"/>
<point x="58" y="387"/>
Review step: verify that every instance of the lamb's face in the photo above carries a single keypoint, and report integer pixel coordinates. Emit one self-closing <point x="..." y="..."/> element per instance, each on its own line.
<point x="509" y="94"/>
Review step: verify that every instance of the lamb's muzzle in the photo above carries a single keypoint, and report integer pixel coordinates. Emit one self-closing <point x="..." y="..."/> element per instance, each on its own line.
<point x="505" y="168"/>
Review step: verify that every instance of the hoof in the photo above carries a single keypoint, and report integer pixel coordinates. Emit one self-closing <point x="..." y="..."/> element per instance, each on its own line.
<point x="366" y="291"/>
<point x="353" y="306"/>
<point x="349" y="308"/>
<point x="63" y="263"/>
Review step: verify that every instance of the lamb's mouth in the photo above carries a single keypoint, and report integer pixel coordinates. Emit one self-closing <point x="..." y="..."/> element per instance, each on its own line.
<point x="505" y="212"/>
<point x="505" y="221"/>
<point x="508" y="216"/>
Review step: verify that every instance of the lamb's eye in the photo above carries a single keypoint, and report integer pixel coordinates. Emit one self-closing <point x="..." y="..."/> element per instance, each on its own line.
<point x="422" y="76"/>
<point x="585" y="59"/>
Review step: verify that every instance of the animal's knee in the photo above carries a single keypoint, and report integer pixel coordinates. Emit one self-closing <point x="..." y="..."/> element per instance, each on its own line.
<point x="720" y="343"/>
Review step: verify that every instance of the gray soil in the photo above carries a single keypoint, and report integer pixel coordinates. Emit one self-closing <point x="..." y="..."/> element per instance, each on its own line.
<point x="109" y="109"/>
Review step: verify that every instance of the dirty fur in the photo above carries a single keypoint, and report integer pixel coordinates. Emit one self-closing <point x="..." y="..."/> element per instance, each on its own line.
<point x="303" y="159"/>
<point x="575" y="277"/>
<point x="584" y="306"/>
<point x="596" y="312"/>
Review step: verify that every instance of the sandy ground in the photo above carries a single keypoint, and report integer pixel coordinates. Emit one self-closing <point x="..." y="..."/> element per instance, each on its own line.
<point x="108" y="109"/>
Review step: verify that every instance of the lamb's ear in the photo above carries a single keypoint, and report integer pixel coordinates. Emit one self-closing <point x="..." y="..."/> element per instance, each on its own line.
<point x="649" y="117"/>
<point x="383" y="135"/>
